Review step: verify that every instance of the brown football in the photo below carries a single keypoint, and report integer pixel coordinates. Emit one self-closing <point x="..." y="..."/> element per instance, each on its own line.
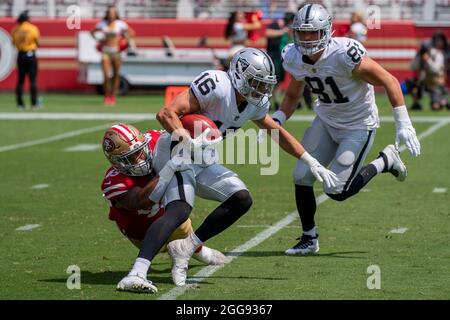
<point x="197" y="123"/>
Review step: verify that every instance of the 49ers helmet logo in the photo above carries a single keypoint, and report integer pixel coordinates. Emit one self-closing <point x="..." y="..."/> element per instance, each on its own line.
<point x="108" y="145"/>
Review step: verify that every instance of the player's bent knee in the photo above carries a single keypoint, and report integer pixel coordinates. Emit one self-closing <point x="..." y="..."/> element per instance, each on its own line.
<point x="243" y="199"/>
<point x="346" y="158"/>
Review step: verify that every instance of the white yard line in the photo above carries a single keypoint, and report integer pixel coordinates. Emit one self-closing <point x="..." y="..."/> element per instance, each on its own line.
<point x="399" y="230"/>
<point x="57" y="137"/>
<point x="263" y="235"/>
<point x="236" y="252"/>
<point x="76" y="116"/>
<point x="28" y="227"/>
<point x="40" y="186"/>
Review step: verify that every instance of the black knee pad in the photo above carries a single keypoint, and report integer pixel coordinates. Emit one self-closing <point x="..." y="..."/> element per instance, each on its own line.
<point x="242" y="199"/>
<point x="178" y="209"/>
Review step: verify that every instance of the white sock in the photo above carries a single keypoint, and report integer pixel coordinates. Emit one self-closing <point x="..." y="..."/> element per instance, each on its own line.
<point x="141" y="265"/>
<point x="379" y="164"/>
<point x="197" y="242"/>
<point x="311" y="233"/>
<point x="204" y="255"/>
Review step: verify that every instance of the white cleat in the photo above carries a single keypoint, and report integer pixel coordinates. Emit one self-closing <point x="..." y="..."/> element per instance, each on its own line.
<point x="211" y="257"/>
<point x="306" y="245"/>
<point x="395" y="165"/>
<point x="181" y="251"/>
<point x="136" y="283"/>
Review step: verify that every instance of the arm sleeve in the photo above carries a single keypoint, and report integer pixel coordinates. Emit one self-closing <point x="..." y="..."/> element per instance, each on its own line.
<point x="113" y="187"/>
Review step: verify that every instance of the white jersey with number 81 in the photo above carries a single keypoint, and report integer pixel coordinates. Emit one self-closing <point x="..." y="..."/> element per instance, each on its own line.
<point x="344" y="102"/>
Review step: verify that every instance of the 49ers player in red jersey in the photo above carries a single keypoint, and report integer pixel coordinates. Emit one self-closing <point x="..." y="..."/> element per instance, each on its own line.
<point x="133" y="191"/>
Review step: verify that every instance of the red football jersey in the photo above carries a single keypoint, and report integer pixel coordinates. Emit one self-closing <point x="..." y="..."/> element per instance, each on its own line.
<point x="131" y="223"/>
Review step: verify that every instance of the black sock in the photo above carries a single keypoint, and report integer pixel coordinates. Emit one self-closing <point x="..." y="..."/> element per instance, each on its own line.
<point x="306" y="206"/>
<point x="224" y="215"/>
<point x="157" y="234"/>
<point x="362" y="178"/>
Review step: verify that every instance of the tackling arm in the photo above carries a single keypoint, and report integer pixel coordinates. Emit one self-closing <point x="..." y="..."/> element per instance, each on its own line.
<point x="137" y="198"/>
<point x="143" y="198"/>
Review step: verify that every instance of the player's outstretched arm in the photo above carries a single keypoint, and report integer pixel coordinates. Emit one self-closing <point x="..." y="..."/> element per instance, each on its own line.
<point x="289" y="144"/>
<point x="371" y="72"/>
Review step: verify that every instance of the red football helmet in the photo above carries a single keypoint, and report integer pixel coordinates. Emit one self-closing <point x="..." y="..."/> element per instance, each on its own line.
<point x="128" y="150"/>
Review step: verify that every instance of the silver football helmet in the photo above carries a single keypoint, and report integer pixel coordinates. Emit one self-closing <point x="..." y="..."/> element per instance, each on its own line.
<point x="312" y="17"/>
<point x="252" y="74"/>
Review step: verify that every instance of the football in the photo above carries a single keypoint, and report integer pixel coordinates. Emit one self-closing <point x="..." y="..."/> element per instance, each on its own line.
<point x="197" y="123"/>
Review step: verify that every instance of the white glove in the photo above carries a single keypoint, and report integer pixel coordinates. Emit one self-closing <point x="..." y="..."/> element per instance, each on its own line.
<point x="172" y="166"/>
<point x="405" y="131"/>
<point x="321" y="173"/>
<point x="179" y="163"/>
<point x="202" y="141"/>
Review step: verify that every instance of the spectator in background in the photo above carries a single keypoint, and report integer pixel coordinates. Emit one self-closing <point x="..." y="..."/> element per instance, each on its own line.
<point x="114" y="37"/>
<point x="236" y="30"/>
<point x="430" y="65"/>
<point x="278" y="36"/>
<point x="439" y="41"/>
<point x="25" y="37"/>
<point x="358" y="28"/>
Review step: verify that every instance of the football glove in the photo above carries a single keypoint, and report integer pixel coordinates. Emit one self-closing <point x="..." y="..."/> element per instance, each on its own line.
<point x="321" y="173"/>
<point x="405" y="131"/>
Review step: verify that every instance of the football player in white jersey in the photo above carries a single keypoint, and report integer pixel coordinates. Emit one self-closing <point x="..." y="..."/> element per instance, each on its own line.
<point x="229" y="99"/>
<point x="341" y="74"/>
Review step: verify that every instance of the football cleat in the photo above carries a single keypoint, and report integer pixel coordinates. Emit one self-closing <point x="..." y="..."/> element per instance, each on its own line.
<point x="393" y="163"/>
<point x="306" y="245"/>
<point x="136" y="283"/>
<point x="211" y="257"/>
<point x="181" y="251"/>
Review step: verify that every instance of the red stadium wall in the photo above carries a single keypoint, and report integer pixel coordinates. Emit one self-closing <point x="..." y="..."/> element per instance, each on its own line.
<point x="392" y="45"/>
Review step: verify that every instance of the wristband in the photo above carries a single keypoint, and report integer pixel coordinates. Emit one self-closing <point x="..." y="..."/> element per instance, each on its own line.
<point x="308" y="159"/>
<point x="401" y="116"/>
<point x="279" y="116"/>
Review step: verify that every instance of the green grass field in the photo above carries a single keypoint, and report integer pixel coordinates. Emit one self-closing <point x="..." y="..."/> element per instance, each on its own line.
<point x="75" y="230"/>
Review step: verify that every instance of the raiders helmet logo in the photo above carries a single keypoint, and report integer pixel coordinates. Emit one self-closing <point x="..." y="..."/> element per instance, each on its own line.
<point x="242" y="65"/>
<point x="108" y="145"/>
